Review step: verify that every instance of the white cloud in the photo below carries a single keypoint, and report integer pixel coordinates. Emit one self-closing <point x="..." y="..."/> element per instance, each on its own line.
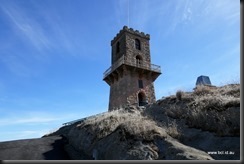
<point x="35" y="118"/>
<point x="45" y="30"/>
<point x="35" y="124"/>
<point x="27" y="26"/>
<point x="25" y="134"/>
<point x="200" y="16"/>
<point x="26" y="120"/>
<point x="29" y="133"/>
<point x="187" y="13"/>
<point x="26" y="32"/>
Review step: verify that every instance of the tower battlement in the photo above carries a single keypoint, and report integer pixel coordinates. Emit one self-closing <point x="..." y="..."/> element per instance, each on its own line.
<point x="131" y="31"/>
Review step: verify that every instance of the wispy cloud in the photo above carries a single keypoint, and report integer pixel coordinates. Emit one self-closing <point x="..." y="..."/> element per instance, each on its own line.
<point x="29" y="133"/>
<point x="23" y="134"/>
<point x="26" y="44"/>
<point x="187" y="12"/>
<point x="27" y="120"/>
<point x="201" y="15"/>
<point x="45" y="28"/>
<point x="27" y="26"/>
<point x="38" y="35"/>
<point x="35" y="118"/>
<point x="64" y="36"/>
<point x="167" y="14"/>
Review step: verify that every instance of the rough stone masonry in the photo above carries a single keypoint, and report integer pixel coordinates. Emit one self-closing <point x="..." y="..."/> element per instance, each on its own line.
<point x="132" y="74"/>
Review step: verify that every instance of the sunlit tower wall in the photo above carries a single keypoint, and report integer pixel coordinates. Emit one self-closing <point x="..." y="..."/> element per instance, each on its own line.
<point x="131" y="74"/>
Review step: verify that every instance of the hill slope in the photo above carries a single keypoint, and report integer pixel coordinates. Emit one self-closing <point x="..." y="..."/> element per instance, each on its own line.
<point x="199" y="125"/>
<point x="203" y="125"/>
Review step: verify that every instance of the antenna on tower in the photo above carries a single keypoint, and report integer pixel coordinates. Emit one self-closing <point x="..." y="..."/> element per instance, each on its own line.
<point x="128" y="13"/>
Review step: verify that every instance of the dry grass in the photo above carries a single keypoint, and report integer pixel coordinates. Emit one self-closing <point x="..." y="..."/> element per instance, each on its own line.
<point x="203" y="90"/>
<point x="179" y="95"/>
<point x="231" y="90"/>
<point x="134" y="123"/>
<point x="215" y="109"/>
<point x="175" y="111"/>
<point x="216" y="102"/>
<point x="226" y="123"/>
<point x="173" y="130"/>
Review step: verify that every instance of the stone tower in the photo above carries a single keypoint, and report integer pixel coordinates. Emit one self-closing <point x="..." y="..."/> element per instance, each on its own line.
<point x="131" y="75"/>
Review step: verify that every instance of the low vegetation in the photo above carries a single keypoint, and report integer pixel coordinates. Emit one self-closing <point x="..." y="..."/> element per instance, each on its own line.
<point x="133" y="122"/>
<point x="215" y="110"/>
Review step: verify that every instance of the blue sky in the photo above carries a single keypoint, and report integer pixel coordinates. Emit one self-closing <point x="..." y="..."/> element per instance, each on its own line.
<point x="53" y="54"/>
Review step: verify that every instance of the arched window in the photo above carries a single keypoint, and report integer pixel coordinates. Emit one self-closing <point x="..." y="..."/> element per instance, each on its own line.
<point x="138" y="60"/>
<point x="138" y="44"/>
<point x="117" y="47"/>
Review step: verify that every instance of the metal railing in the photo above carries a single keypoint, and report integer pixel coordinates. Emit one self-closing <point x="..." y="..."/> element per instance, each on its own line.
<point x="132" y="62"/>
<point x="83" y="119"/>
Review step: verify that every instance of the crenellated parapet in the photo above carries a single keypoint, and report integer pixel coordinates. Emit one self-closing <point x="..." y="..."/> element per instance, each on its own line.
<point x="131" y="31"/>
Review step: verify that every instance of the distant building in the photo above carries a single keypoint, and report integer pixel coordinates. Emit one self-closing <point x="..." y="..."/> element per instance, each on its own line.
<point x="132" y="74"/>
<point x="203" y="80"/>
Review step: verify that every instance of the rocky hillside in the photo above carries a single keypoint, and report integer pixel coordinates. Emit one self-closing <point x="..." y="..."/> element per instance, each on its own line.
<point x="199" y="125"/>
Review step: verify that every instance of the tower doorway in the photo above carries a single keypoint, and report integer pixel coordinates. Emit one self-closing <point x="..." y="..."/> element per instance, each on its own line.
<point x="142" y="99"/>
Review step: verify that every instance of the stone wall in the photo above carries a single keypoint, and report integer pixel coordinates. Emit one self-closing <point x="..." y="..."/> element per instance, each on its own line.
<point x="123" y="80"/>
<point x="127" y="89"/>
<point x="132" y="52"/>
<point x="126" y="39"/>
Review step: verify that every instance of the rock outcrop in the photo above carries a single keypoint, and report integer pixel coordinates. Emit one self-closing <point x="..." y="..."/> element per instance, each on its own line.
<point x="199" y="125"/>
<point x="124" y="144"/>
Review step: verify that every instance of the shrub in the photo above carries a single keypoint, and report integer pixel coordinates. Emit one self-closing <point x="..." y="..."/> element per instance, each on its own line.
<point x="173" y="130"/>
<point x="134" y="123"/>
<point x="230" y="90"/>
<point x="179" y="95"/>
<point x="217" y="113"/>
<point x="202" y="90"/>
<point x="176" y="111"/>
<point x="216" y="102"/>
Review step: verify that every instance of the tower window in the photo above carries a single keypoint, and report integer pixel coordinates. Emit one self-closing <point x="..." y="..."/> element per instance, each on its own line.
<point x="137" y="44"/>
<point x="140" y="83"/>
<point x="138" y="60"/>
<point x="117" y="47"/>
